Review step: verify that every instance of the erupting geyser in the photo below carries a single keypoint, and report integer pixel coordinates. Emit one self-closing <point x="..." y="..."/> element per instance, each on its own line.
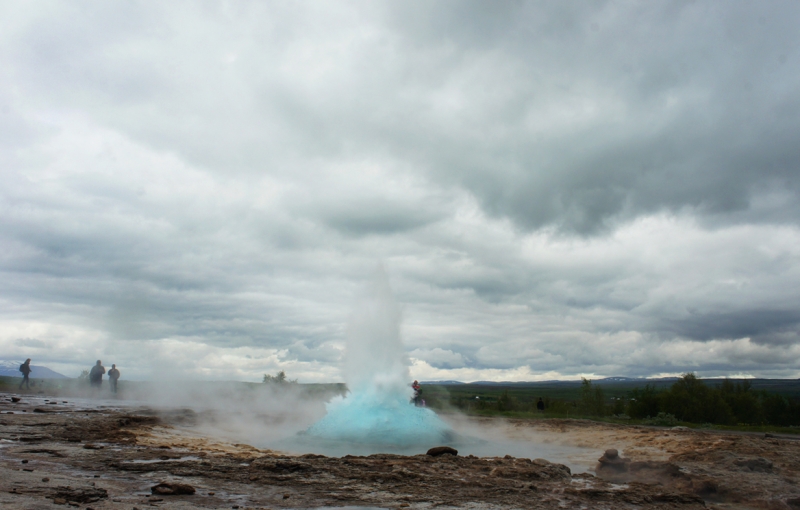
<point x="378" y="410"/>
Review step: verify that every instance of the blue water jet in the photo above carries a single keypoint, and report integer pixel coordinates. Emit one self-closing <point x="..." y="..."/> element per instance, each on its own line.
<point x="377" y="411"/>
<point x="368" y="418"/>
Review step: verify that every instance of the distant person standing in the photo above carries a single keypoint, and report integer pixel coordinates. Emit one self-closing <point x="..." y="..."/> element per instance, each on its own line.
<point x="417" y="393"/>
<point x="113" y="376"/>
<point x="540" y="405"/>
<point x="96" y="374"/>
<point x="25" y="368"/>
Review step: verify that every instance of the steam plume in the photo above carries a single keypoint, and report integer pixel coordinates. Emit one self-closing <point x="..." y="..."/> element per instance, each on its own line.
<point x="378" y="409"/>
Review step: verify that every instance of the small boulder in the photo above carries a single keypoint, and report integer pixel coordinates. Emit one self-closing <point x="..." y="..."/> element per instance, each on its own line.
<point x="611" y="458"/>
<point x="442" y="450"/>
<point x="611" y="465"/>
<point x="172" y="489"/>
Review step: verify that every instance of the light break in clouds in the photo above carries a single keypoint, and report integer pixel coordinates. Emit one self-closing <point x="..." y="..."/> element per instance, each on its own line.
<point x="555" y="188"/>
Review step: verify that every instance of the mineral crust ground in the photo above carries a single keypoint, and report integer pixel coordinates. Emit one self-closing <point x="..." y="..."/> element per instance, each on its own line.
<point x="54" y="452"/>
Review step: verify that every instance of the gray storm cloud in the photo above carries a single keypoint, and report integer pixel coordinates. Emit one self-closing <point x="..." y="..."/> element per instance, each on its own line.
<point x="554" y="189"/>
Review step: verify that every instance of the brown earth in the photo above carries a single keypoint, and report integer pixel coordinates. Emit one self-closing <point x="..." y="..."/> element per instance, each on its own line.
<point x="58" y="453"/>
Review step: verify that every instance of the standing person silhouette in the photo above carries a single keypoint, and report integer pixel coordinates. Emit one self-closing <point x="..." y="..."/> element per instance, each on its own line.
<point x="113" y="376"/>
<point x="25" y="368"/>
<point x="417" y="393"/>
<point x="96" y="374"/>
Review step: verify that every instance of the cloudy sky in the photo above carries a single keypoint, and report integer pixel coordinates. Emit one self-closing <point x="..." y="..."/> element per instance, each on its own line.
<point x="555" y="189"/>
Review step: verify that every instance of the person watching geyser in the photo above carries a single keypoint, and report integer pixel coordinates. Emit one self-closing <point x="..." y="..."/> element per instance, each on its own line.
<point x="96" y="374"/>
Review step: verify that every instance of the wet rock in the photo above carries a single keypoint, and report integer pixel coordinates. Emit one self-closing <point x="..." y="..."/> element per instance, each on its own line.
<point x="15" y="399"/>
<point x="172" y="489"/>
<point x="757" y="464"/>
<point x="611" y="465"/>
<point x="611" y="457"/>
<point x="441" y="450"/>
<point x="705" y="488"/>
<point x="280" y="465"/>
<point x="32" y="439"/>
<point x="79" y="495"/>
<point x="613" y="468"/>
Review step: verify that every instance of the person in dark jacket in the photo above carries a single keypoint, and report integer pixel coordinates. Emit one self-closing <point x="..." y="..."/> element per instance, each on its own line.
<point x="25" y="368"/>
<point x="540" y="405"/>
<point x="113" y="376"/>
<point x="96" y="374"/>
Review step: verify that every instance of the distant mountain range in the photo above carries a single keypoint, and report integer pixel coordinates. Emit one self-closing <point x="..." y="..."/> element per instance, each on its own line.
<point x="10" y="368"/>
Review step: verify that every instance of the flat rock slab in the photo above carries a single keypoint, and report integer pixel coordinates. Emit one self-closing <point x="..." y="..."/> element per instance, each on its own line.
<point x="172" y="489"/>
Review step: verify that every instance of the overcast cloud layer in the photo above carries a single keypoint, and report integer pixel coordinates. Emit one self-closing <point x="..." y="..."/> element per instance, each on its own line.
<point x="555" y="188"/>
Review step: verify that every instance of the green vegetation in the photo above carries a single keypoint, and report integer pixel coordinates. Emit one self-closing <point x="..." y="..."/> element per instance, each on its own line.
<point x="686" y="401"/>
<point x="279" y="378"/>
<point x="729" y="403"/>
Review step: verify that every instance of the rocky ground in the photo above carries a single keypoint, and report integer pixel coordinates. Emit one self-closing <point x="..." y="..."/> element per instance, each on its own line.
<point x="57" y="452"/>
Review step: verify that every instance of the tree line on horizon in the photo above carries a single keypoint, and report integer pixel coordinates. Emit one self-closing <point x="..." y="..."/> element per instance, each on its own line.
<point x="689" y="399"/>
